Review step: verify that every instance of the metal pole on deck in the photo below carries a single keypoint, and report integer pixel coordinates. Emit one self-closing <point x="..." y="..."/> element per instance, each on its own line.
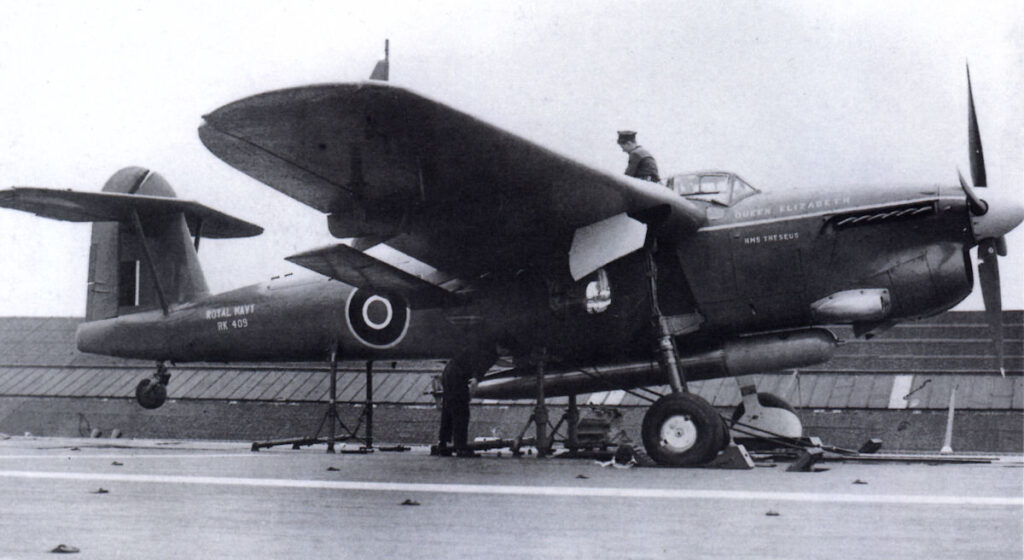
<point x="572" y="426"/>
<point x="332" y="412"/>
<point x="369" y="404"/>
<point x="541" y="411"/>
<point x="947" y="443"/>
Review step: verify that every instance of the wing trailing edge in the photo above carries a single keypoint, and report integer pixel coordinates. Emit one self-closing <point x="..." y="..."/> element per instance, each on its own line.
<point x="355" y="268"/>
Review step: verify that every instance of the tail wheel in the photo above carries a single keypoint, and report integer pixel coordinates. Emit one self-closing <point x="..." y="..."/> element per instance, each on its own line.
<point x="682" y="430"/>
<point x="150" y="394"/>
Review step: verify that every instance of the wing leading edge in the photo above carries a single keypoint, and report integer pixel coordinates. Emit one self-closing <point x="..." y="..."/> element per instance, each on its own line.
<point x="446" y="188"/>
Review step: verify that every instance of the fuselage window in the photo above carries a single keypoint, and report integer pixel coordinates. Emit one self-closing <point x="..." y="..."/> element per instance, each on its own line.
<point x="741" y="190"/>
<point x="714" y="184"/>
<point x="724" y="189"/>
<point x="709" y="188"/>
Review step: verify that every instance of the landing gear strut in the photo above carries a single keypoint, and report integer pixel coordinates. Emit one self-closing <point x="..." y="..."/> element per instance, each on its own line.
<point x="680" y="429"/>
<point x="152" y="392"/>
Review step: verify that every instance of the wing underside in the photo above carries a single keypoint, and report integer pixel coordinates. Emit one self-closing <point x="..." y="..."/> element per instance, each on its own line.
<point x="358" y="269"/>
<point x="444" y="187"/>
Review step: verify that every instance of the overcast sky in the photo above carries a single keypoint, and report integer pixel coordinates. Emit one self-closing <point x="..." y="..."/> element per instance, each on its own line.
<point x="787" y="94"/>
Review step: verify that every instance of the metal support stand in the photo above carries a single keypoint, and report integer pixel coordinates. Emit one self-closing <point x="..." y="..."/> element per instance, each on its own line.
<point x="539" y="417"/>
<point x="571" y="419"/>
<point x="540" y="414"/>
<point x="333" y="420"/>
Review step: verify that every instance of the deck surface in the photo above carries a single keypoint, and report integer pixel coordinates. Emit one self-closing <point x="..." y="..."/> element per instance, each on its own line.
<point x="181" y="499"/>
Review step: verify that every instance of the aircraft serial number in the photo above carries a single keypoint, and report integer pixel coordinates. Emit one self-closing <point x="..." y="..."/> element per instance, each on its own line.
<point x="233" y="324"/>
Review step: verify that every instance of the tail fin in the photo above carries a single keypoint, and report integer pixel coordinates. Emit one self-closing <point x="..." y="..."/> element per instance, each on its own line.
<point x="142" y="255"/>
<point x="121" y="279"/>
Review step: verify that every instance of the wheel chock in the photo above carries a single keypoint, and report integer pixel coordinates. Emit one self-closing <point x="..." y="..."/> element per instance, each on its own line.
<point x="734" y="456"/>
<point x="870" y="446"/>
<point x="395" y="448"/>
<point x="806" y="459"/>
<point x="362" y="450"/>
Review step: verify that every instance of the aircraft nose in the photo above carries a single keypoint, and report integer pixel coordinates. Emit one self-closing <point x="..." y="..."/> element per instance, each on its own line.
<point x="1005" y="212"/>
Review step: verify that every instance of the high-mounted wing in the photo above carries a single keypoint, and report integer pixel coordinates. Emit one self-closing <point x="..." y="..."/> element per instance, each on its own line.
<point x="79" y="206"/>
<point x="444" y="187"/>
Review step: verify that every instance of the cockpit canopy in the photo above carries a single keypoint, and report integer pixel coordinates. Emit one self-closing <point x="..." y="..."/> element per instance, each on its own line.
<point x="718" y="187"/>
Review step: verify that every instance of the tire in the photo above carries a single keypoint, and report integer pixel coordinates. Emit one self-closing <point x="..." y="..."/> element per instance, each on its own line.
<point x="150" y="395"/>
<point x="768" y="400"/>
<point x="682" y="430"/>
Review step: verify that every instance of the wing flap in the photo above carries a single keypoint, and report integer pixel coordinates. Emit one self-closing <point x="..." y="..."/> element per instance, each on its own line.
<point x="358" y="269"/>
<point x="78" y="206"/>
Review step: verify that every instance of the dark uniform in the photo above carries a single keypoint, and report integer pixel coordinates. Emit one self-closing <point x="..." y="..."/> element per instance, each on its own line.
<point x="455" y="398"/>
<point x="642" y="164"/>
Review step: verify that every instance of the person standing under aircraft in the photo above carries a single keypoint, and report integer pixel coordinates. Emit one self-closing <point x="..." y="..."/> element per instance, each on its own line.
<point x="455" y="386"/>
<point x="642" y="164"/>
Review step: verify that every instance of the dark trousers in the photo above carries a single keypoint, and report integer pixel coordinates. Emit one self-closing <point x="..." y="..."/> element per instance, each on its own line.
<point x="455" y="405"/>
<point x="455" y="401"/>
<point x="454" y="422"/>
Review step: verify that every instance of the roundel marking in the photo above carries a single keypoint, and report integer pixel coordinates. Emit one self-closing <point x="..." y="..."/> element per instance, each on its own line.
<point x="377" y="312"/>
<point x="378" y="320"/>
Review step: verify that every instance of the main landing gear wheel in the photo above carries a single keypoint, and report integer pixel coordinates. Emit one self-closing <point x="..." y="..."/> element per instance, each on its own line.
<point x="152" y="392"/>
<point x="775" y="416"/>
<point x="683" y="430"/>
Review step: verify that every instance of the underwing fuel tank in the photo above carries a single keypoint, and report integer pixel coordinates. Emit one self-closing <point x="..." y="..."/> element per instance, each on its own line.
<point x="755" y="354"/>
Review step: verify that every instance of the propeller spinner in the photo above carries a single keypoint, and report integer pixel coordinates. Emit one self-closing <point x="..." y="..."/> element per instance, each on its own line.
<point x="993" y="214"/>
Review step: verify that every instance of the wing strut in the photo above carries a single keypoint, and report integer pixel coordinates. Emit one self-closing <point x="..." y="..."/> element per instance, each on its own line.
<point x="199" y="233"/>
<point x="150" y="263"/>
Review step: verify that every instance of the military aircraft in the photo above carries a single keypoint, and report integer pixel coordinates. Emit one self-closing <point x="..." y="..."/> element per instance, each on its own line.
<point x="556" y="264"/>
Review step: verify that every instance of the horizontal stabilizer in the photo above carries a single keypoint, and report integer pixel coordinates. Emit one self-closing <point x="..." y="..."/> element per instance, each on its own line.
<point x="358" y="269"/>
<point x="77" y="206"/>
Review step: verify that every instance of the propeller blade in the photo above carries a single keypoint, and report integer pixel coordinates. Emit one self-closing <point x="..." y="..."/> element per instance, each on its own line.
<point x="1001" y="246"/>
<point x="978" y="206"/>
<point x="988" y="275"/>
<point x="976" y="154"/>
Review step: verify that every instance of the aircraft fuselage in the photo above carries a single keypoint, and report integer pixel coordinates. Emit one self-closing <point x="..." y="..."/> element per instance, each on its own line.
<point x="757" y="266"/>
<point x="762" y="263"/>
